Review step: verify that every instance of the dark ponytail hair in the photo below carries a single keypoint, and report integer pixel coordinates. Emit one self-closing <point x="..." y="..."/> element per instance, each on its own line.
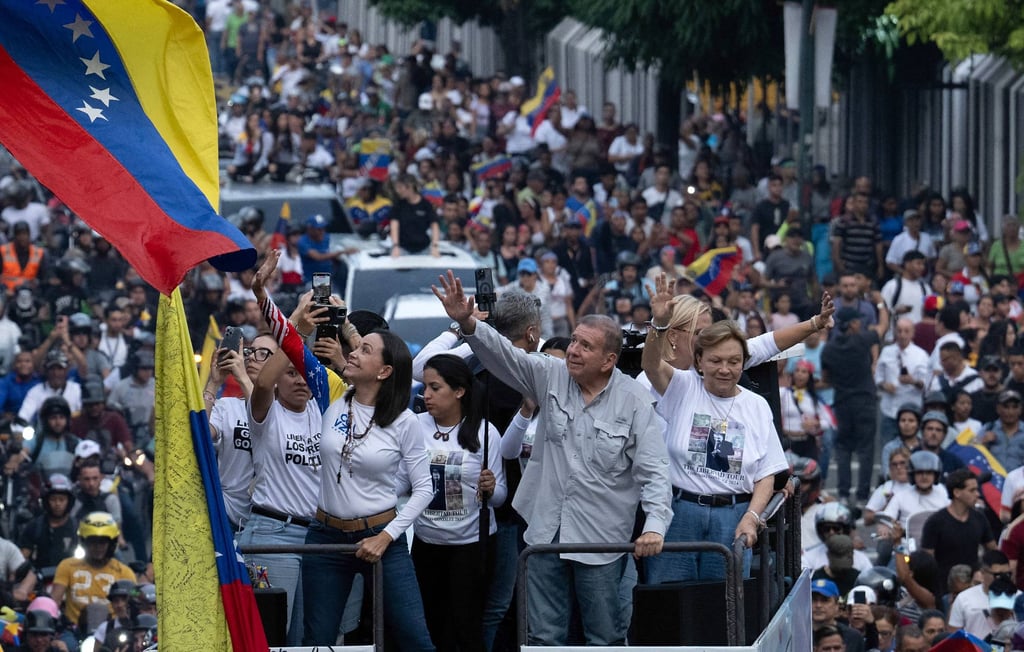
<point x="457" y="374"/>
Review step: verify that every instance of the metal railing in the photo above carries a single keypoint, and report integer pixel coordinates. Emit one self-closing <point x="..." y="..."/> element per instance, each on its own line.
<point x="334" y="548"/>
<point x="776" y="572"/>
<point x="733" y="577"/>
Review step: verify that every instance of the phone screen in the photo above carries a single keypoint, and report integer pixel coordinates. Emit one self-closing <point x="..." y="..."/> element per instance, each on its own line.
<point x="860" y="597"/>
<point x="321" y="287"/>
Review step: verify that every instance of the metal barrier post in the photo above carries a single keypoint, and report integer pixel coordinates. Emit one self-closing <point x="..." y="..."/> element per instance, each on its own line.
<point x="733" y="578"/>
<point x="335" y="548"/>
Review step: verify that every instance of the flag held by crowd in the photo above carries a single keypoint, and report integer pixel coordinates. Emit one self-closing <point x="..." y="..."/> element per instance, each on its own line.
<point x="713" y="269"/>
<point x="206" y="600"/>
<point x="547" y="96"/>
<point x="284" y="221"/>
<point x="374" y="158"/>
<point x="493" y="167"/>
<point x="981" y="462"/>
<point x="87" y="107"/>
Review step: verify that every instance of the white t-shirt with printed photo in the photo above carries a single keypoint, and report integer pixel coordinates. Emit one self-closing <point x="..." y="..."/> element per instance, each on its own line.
<point x="453" y="515"/>
<point x="718" y="445"/>
<point x="286" y="459"/>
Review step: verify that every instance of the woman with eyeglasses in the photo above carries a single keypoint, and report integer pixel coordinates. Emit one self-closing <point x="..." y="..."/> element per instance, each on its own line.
<point x="447" y="551"/>
<point x="229" y="421"/>
<point x="368" y="435"/>
<point x="899" y="480"/>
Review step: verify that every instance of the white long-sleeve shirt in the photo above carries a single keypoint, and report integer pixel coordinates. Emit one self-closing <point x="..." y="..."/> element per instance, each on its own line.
<point x="887" y="370"/>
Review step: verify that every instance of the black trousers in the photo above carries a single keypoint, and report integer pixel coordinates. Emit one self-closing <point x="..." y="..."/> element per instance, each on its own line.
<point x="453" y="583"/>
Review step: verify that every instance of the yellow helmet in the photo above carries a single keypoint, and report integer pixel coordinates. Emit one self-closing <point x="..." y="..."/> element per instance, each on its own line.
<point x="98" y="524"/>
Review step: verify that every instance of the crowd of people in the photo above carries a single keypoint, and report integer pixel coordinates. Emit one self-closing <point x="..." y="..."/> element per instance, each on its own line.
<point x="907" y="307"/>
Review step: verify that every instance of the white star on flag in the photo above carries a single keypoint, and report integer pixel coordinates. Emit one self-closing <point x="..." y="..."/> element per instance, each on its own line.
<point x="50" y="3"/>
<point x="103" y="95"/>
<point x="94" y="66"/>
<point x="79" y="28"/>
<point x="91" y="111"/>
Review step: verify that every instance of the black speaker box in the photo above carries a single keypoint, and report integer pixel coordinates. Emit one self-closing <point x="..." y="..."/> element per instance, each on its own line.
<point x="688" y="613"/>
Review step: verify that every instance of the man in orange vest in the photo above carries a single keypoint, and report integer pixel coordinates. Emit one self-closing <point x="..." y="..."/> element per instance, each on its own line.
<point x="22" y="260"/>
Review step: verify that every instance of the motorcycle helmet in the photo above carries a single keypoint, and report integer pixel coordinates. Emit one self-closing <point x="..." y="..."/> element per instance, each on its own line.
<point x="883" y="582"/>
<point x="121" y="589"/>
<point x="626" y="259"/>
<point x="101" y="525"/>
<point x="40" y="622"/>
<point x="924" y="461"/>
<point x="832" y="514"/>
<point x="58" y="483"/>
<point x="54" y="405"/>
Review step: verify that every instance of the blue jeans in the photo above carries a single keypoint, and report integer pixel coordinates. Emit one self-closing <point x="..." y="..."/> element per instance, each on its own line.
<point x="283" y="571"/>
<point x="551" y="584"/>
<point x="693" y="522"/>
<point x="503" y="578"/>
<point x="328" y="581"/>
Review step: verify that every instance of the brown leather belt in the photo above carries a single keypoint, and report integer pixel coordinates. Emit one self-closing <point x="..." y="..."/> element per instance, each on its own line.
<point x="355" y="524"/>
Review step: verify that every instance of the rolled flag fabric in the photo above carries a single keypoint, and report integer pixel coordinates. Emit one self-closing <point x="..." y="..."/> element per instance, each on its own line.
<point x="111" y="105"/>
<point x="206" y="600"/>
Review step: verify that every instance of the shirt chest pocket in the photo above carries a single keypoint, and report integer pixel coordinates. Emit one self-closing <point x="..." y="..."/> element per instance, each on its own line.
<point x="609" y="451"/>
<point x="557" y="421"/>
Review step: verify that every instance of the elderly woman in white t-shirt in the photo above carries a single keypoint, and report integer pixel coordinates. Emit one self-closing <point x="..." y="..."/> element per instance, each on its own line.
<point x="723" y="448"/>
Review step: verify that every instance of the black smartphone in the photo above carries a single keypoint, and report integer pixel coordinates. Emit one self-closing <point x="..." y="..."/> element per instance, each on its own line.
<point x="232" y="338"/>
<point x="904" y="372"/>
<point x="321" y="288"/>
<point x="485" y="294"/>
<point x="860" y="597"/>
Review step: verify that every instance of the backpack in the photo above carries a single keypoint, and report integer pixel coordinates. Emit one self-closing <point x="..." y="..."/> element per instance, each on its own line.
<point x="950" y="390"/>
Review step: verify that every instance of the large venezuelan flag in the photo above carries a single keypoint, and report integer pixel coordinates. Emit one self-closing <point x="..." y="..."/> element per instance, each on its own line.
<point x="714" y="268"/>
<point x="110" y="104"/>
<point x="193" y="544"/>
<point x="548" y="93"/>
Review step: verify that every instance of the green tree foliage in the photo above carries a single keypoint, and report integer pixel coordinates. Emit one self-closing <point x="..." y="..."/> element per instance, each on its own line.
<point x="724" y="40"/>
<point x="961" y="28"/>
<point x="520" y="24"/>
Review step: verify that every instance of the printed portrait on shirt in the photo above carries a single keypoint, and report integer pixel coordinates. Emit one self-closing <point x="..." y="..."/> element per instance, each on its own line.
<point x="716" y="445"/>
<point x="448" y="502"/>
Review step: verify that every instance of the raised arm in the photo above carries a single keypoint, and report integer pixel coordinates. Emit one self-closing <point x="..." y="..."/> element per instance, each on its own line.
<point x="324" y="384"/>
<point x="791" y="335"/>
<point x="653" y="362"/>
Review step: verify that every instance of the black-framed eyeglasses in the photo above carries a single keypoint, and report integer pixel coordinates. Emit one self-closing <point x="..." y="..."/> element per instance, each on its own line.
<point x="259" y="355"/>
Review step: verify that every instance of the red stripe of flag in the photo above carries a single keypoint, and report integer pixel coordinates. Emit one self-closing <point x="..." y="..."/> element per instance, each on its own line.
<point x="164" y="261"/>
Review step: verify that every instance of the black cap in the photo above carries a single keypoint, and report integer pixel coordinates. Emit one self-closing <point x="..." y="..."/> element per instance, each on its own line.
<point x="990" y="362"/>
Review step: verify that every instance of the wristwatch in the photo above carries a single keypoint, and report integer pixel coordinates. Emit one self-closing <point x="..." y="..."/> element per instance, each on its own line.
<point x="455" y="328"/>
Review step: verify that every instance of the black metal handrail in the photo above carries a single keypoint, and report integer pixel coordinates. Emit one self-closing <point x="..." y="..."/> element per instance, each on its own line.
<point x="733" y="574"/>
<point x="332" y="548"/>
